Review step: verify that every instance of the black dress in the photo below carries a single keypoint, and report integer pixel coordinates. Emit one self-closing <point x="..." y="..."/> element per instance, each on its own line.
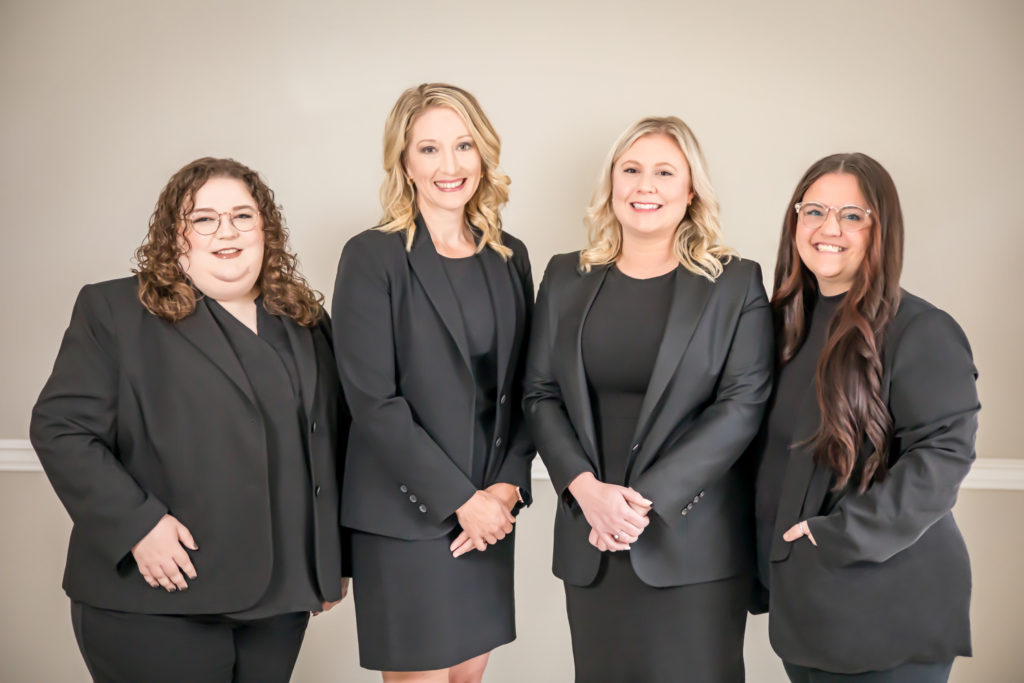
<point x="418" y="608"/>
<point x="623" y="629"/>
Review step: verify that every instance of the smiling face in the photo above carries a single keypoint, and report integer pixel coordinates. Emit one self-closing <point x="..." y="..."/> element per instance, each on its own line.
<point x="225" y="265"/>
<point x="442" y="161"/>
<point x="651" y="187"/>
<point x="832" y="254"/>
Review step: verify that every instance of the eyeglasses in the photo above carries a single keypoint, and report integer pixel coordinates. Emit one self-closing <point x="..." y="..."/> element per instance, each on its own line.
<point x="208" y="222"/>
<point x="851" y="217"/>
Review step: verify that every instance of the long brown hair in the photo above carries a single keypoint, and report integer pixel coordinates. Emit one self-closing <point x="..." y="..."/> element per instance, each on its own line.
<point x="163" y="288"/>
<point x="849" y="374"/>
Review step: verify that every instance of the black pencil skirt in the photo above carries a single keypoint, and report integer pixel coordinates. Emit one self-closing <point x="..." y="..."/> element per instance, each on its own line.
<point x="419" y="609"/>
<point x="625" y="631"/>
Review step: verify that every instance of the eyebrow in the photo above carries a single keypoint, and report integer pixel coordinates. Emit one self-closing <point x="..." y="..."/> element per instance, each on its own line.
<point x="660" y="163"/>
<point x="233" y="208"/>
<point x="467" y="136"/>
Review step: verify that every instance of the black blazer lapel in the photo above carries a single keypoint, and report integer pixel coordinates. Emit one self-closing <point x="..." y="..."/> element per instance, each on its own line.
<point x="801" y="471"/>
<point x="577" y="395"/>
<point x="205" y="334"/>
<point x="509" y="308"/>
<point x="426" y="264"/>
<point x="688" y="301"/>
<point x="301" y="339"/>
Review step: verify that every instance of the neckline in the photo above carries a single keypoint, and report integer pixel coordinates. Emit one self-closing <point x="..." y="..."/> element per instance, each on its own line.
<point x="616" y="269"/>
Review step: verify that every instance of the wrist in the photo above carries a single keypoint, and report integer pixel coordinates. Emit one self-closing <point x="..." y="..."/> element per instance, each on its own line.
<point x="581" y="484"/>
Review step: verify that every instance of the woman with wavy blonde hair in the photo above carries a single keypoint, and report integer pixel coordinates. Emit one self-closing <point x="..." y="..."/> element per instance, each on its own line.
<point x="650" y="362"/>
<point x="431" y="310"/>
<point x="193" y="428"/>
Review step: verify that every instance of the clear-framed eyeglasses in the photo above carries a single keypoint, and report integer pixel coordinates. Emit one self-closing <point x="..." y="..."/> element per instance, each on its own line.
<point x="851" y="218"/>
<point x="204" y="222"/>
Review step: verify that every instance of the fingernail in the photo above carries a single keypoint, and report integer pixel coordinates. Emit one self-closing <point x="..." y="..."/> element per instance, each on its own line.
<point x="195" y="547"/>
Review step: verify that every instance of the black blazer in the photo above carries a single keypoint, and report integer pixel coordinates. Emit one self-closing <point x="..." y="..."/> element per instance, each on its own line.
<point x="403" y="359"/>
<point x="703" y="405"/>
<point x="143" y="417"/>
<point x="889" y="581"/>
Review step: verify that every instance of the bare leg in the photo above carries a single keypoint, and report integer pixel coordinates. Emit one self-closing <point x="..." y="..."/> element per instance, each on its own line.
<point x="435" y="676"/>
<point x="469" y="671"/>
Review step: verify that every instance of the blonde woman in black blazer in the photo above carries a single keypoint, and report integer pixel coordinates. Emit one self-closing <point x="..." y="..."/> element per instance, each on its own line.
<point x="193" y="427"/>
<point x="869" y="435"/>
<point x="430" y="315"/>
<point x="650" y="362"/>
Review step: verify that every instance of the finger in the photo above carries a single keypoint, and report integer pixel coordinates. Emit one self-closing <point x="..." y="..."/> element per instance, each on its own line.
<point x="491" y="539"/>
<point x="508" y="528"/>
<point x="793" y="533"/>
<point x="182" y="560"/>
<point x="171" y="571"/>
<point x="185" y="537"/>
<point x="593" y="538"/>
<point x="613" y="544"/>
<point x="166" y="583"/>
<point x="151" y="581"/>
<point x="345" y="582"/>
<point x="634" y="496"/>
<point x="480" y="544"/>
<point x="459" y="540"/>
<point x="634" y="518"/>
<point x="464" y="548"/>
<point x="629" y="529"/>
<point x="623" y="537"/>
<point x="807" y="532"/>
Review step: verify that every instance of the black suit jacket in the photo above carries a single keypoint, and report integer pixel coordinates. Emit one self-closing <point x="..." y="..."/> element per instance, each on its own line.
<point x="143" y="417"/>
<point x="703" y="405"/>
<point x="889" y="581"/>
<point x="403" y="359"/>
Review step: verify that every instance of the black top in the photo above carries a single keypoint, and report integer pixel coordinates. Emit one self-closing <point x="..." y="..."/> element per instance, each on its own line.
<point x="794" y="385"/>
<point x="473" y="295"/>
<point x="269" y="365"/>
<point x="621" y="337"/>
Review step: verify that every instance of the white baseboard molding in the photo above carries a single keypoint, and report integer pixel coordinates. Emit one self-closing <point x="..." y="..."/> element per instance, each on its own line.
<point x="990" y="474"/>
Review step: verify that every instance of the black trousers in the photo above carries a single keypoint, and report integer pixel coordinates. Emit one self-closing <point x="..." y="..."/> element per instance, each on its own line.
<point x="912" y="672"/>
<point x="122" y="647"/>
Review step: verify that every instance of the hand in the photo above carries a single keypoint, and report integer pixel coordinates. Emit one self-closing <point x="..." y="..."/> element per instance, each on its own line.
<point x="162" y="559"/>
<point x="485" y="519"/>
<point x="507" y="493"/>
<point x="325" y="606"/>
<point x="617" y="514"/>
<point x="797" y="530"/>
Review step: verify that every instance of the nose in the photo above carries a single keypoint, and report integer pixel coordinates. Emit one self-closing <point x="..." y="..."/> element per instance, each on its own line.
<point x="647" y="183"/>
<point x="831" y="225"/>
<point x="448" y="163"/>
<point x="225" y="227"/>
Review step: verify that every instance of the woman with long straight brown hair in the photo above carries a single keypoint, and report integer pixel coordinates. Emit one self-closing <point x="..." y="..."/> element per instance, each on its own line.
<point x="869" y="433"/>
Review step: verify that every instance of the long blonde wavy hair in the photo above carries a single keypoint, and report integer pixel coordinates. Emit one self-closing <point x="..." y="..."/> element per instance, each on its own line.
<point x="697" y="235"/>
<point x="398" y="196"/>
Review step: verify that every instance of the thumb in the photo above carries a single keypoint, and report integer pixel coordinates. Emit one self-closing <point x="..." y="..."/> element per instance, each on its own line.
<point x="634" y="496"/>
<point x="185" y="536"/>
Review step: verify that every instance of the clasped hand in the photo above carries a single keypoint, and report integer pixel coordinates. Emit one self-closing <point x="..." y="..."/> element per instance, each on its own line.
<point x="161" y="557"/>
<point x="617" y="514"/>
<point x="485" y="518"/>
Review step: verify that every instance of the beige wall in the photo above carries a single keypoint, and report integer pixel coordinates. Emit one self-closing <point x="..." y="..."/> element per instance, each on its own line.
<point x="37" y="644"/>
<point x="101" y="101"/>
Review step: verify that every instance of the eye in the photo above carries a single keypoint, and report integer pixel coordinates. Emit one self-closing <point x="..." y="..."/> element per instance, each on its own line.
<point x="852" y="215"/>
<point x="428" y="149"/>
<point x="200" y="219"/>
<point x="666" y="173"/>
<point x="630" y="169"/>
<point x="812" y="210"/>
<point x="242" y="215"/>
<point x="464" y="146"/>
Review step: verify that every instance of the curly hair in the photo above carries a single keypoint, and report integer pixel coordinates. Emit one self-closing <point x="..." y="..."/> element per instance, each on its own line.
<point x="696" y="238"/>
<point x="398" y="196"/>
<point x="164" y="289"/>
<point x="849" y="373"/>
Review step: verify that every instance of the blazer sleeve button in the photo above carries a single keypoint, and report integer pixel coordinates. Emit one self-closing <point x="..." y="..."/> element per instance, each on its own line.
<point x="696" y="499"/>
<point x="636" y="447"/>
<point x="316" y="491"/>
<point x="683" y="513"/>
<point x="503" y="399"/>
<point x="312" y="427"/>
<point x="403" y="488"/>
<point x="412" y="498"/>
<point x="497" y="442"/>
<point x="423" y="508"/>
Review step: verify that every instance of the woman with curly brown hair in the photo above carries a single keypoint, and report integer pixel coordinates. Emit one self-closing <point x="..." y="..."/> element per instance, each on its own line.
<point x="191" y="427"/>
<point x="869" y="433"/>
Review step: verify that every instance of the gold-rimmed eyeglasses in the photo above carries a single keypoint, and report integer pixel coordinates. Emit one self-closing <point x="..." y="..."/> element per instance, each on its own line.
<point x="851" y="218"/>
<point x="207" y="222"/>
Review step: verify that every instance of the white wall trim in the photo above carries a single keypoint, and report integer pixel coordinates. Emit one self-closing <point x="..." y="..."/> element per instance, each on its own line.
<point x="990" y="474"/>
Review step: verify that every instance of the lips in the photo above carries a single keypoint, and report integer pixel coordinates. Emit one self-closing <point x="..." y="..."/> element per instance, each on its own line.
<point x="450" y="185"/>
<point x="645" y="206"/>
<point x="227" y="253"/>
<point x="823" y="248"/>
